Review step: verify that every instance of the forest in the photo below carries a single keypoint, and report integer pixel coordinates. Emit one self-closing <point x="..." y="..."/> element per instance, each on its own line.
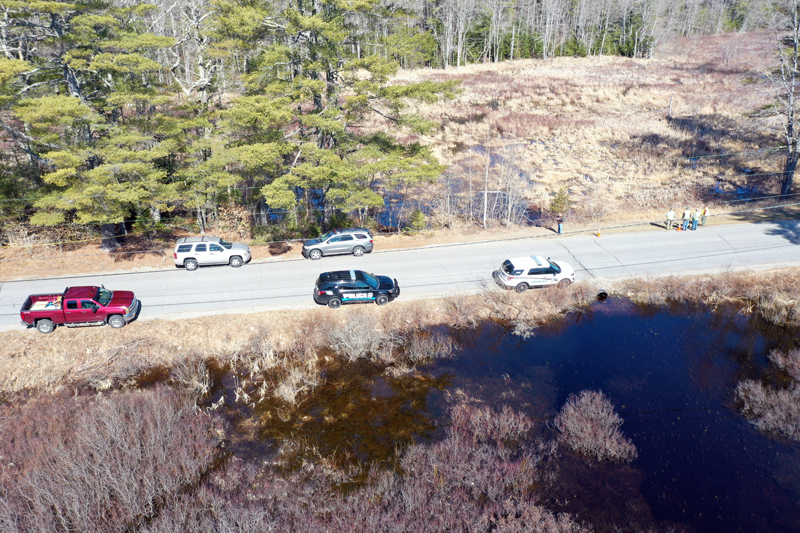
<point x="289" y="113"/>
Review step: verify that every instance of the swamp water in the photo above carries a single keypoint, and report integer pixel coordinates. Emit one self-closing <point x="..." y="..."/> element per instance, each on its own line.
<point x="670" y="373"/>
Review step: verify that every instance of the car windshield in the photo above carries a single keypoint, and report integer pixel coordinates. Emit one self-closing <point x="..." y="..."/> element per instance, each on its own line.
<point x="227" y="245"/>
<point x="103" y="296"/>
<point x="555" y="267"/>
<point x="324" y="236"/>
<point x="507" y="267"/>
<point x="371" y="281"/>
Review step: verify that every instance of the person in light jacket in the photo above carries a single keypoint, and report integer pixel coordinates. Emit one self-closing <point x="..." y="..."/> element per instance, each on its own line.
<point x="670" y="218"/>
<point x="687" y="217"/>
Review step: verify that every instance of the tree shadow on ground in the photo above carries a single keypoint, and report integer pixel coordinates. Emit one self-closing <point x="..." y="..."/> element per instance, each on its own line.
<point x="785" y="219"/>
<point x="753" y="171"/>
<point x="137" y="246"/>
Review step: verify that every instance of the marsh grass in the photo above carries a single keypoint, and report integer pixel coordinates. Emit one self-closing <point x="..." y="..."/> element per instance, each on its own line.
<point x="774" y="295"/>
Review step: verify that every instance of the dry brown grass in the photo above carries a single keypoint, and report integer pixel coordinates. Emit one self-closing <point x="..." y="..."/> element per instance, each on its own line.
<point x="774" y="295"/>
<point x="618" y="131"/>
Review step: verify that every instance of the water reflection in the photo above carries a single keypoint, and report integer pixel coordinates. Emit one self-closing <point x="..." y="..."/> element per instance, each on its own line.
<point x="671" y="373"/>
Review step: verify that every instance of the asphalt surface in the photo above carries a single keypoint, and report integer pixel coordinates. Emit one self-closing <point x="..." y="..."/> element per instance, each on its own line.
<point x="434" y="270"/>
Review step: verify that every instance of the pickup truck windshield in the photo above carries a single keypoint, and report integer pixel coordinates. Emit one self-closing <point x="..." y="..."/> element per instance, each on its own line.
<point x="372" y="282"/>
<point x="103" y="296"/>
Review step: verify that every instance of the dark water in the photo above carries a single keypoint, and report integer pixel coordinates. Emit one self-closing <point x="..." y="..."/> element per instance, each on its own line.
<point x="670" y="373"/>
<point x="672" y="377"/>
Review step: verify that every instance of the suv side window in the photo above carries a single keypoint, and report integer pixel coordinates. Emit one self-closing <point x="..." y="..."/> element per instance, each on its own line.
<point x="214" y="248"/>
<point x="362" y="286"/>
<point x="360" y="236"/>
<point x="348" y="286"/>
<point x="537" y="271"/>
<point x="334" y="239"/>
<point x="184" y="248"/>
<point x="200" y="248"/>
<point x="347" y="237"/>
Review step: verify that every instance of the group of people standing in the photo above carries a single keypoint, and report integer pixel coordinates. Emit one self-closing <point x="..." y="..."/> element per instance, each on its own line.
<point x="688" y="218"/>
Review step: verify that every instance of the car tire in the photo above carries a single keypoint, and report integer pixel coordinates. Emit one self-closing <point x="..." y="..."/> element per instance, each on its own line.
<point x="522" y="287"/>
<point x="334" y="303"/>
<point x="190" y="264"/>
<point x="236" y="261"/>
<point x="564" y="283"/>
<point x="358" y="251"/>
<point x="315" y="254"/>
<point x="116" y="321"/>
<point x="45" y="326"/>
<point x="382" y="299"/>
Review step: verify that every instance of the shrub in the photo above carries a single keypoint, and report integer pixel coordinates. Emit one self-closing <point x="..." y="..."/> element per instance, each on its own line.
<point x="359" y="336"/>
<point x="420" y="346"/>
<point x="104" y="463"/>
<point x="484" y="424"/>
<point x="588" y="424"/>
<point x="773" y="409"/>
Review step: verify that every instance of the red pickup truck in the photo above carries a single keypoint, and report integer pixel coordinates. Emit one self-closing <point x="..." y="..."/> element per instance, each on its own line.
<point x="79" y="306"/>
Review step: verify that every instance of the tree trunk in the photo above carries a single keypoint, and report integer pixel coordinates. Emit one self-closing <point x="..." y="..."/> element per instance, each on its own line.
<point x="155" y="214"/>
<point x="788" y="172"/>
<point x="108" y="233"/>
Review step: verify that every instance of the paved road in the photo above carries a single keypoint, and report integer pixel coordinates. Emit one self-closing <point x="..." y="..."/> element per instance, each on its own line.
<point x="436" y="269"/>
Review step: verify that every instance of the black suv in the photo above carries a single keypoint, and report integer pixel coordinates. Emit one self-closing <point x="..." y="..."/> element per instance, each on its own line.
<point x="354" y="286"/>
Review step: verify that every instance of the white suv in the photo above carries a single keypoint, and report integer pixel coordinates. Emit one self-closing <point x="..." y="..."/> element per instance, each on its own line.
<point x="191" y="252"/>
<point x="523" y="273"/>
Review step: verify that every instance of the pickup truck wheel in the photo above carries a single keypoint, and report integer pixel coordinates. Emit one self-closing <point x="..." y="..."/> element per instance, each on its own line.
<point x="236" y="261"/>
<point x="116" y="321"/>
<point x="334" y="303"/>
<point x="564" y="283"/>
<point x="315" y="254"/>
<point x="190" y="264"/>
<point x="358" y="251"/>
<point x="382" y="299"/>
<point x="522" y="287"/>
<point x="45" y="326"/>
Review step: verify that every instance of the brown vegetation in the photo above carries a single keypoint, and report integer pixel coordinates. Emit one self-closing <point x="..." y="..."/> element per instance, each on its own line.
<point x="774" y="295"/>
<point x="588" y="424"/>
<point x="468" y="481"/>
<point x="629" y="137"/>
<point x="773" y="409"/>
<point x="102" y="464"/>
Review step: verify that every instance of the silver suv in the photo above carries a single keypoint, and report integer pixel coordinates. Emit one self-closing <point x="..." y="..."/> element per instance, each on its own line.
<point x="349" y="241"/>
<point x="191" y="252"/>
